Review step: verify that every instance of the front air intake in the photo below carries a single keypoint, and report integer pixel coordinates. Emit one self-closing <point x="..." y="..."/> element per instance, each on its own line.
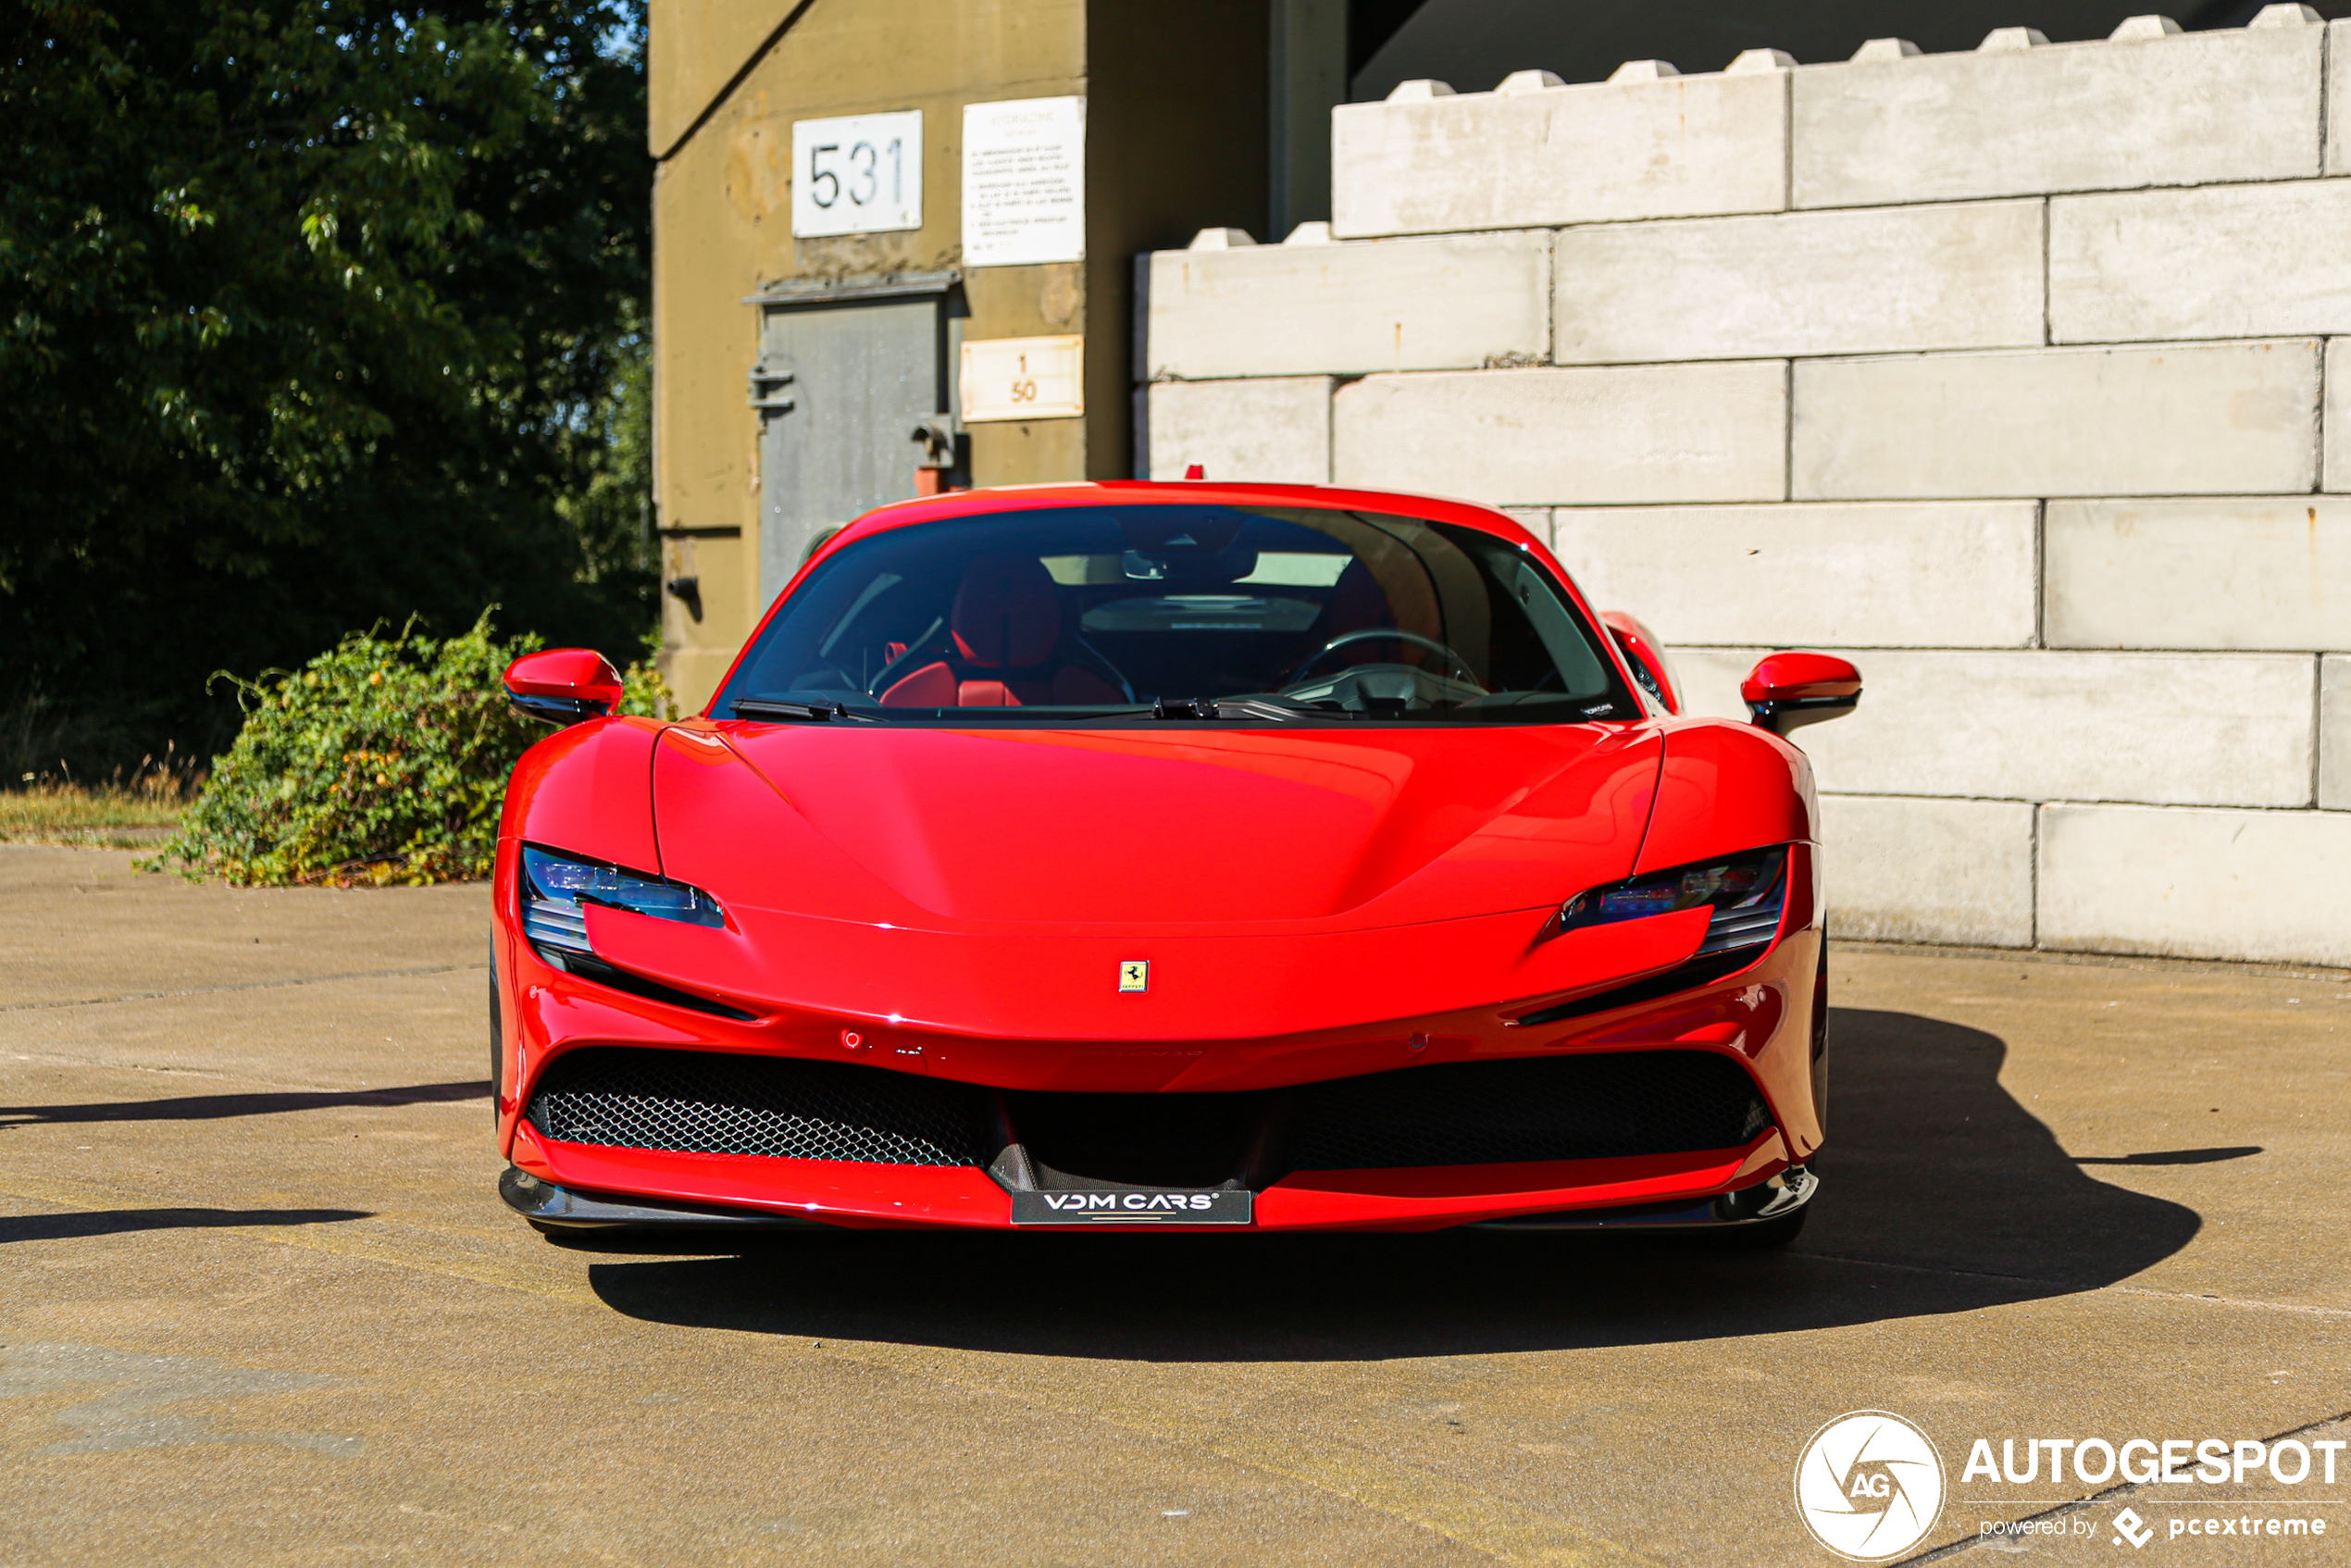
<point x="1585" y="1107"/>
<point x="711" y="1102"/>
<point x="1579" y="1107"/>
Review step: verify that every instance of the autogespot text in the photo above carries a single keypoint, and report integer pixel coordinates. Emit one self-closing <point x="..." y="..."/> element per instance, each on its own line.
<point x="2157" y="1461"/>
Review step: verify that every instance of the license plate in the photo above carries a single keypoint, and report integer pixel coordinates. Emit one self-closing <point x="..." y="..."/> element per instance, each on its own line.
<point x="1124" y="1206"/>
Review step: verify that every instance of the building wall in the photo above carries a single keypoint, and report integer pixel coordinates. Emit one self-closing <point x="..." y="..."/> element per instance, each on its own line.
<point x="2022" y="375"/>
<point x="722" y="229"/>
<point x="1168" y="151"/>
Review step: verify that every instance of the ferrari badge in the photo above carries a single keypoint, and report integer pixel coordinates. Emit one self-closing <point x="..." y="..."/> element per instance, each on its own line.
<point x="1135" y="975"/>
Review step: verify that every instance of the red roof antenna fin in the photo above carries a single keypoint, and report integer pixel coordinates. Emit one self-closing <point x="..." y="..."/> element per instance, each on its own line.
<point x="1195" y="472"/>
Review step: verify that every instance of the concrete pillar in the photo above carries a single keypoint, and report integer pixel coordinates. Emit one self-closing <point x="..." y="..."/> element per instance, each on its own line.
<point x="1307" y="80"/>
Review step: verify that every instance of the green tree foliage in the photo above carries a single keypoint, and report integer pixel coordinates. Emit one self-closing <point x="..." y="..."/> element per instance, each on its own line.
<point x="313" y="314"/>
<point x="384" y="760"/>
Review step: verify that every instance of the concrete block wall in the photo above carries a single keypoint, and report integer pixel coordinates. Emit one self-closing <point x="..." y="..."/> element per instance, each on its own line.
<point x="2022" y="375"/>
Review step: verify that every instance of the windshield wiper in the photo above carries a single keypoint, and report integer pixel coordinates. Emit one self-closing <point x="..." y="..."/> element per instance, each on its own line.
<point x="777" y="707"/>
<point x="1281" y="713"/>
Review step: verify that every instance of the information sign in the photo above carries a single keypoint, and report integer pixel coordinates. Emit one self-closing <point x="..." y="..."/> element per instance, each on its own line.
<point x="1025" y="182"/>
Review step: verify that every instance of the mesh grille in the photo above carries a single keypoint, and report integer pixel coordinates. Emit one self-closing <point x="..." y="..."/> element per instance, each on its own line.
<point x="1542" y="1108"/>
<point x="701" y="1102"/>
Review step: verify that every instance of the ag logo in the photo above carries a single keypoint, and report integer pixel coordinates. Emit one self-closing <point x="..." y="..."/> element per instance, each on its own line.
<point x="1869" y="1485"/>
<point x="1135" y="975"/>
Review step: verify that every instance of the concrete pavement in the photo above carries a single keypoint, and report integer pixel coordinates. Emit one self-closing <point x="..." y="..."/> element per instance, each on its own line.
<point x="259" y="1303"/>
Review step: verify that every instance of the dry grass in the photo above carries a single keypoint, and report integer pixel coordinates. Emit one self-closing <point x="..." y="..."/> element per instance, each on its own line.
<point x="138" y="815"/>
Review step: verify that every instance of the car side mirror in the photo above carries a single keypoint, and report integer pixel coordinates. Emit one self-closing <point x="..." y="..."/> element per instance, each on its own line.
<point x="563" y="686"/>
<point x="1647" y="657"/>
<point x="1790" y="689"/>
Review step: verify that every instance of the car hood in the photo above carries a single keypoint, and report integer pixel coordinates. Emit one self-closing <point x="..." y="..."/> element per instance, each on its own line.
<point x="1211" y="831"/>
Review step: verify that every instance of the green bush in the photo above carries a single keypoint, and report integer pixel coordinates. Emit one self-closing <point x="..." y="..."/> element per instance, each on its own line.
<point x="384" y="760"/>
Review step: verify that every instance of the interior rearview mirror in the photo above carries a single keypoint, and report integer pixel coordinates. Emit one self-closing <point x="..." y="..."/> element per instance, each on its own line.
<point x="562" y="685"/>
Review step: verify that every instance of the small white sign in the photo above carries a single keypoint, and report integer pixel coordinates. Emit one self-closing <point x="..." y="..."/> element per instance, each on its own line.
<point x="1023" y="378"/>
<point x="859" y="174"/>
<point x="1025" y="182"/>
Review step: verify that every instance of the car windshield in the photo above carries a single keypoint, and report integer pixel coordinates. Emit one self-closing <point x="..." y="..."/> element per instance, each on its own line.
<point x="1148" y="613"/>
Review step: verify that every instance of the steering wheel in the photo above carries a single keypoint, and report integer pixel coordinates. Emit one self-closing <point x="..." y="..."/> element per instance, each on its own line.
<point x="1345" y="639"/>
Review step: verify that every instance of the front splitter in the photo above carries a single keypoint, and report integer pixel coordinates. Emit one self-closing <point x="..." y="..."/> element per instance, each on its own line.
<point x="1774" y="1199"/>
<point x="543" y="1203"/>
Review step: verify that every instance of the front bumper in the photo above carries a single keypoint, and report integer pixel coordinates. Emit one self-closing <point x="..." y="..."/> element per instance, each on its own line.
<point x="1757" y="1023"/>
<point x="1758" y="1019"/>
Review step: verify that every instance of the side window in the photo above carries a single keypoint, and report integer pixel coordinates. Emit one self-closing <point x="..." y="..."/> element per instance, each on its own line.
<point x="1569" y="648"/>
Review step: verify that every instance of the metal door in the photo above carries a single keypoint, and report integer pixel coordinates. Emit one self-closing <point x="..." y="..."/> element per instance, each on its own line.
<point x="843" y="385"/>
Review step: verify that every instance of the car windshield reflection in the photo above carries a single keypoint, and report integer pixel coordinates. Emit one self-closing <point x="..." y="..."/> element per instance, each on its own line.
<point x="1206" y="613"/>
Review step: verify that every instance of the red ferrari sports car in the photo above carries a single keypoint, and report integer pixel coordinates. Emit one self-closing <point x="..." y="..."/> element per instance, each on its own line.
<point x="1172" y="856"/>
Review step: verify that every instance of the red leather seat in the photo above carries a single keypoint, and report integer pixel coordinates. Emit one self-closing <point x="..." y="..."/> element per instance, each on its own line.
<point x="1358" y="603"/>
<point x="1009" y="648"/>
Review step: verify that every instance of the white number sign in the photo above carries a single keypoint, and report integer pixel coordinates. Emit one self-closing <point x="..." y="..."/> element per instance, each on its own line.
<point x="860" y="174"/>
<point x="1023" y="378"/>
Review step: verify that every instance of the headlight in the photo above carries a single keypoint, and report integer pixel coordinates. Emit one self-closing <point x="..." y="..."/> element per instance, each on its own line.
<point x="555" y="888"/>
<point x="1744" y="890"/>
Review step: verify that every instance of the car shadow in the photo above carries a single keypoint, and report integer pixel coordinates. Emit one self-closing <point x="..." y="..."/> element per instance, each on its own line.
<point x="115" y="1222"/>
<point x="211" y="1107"/>
<point x="1940" y="1194"/>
